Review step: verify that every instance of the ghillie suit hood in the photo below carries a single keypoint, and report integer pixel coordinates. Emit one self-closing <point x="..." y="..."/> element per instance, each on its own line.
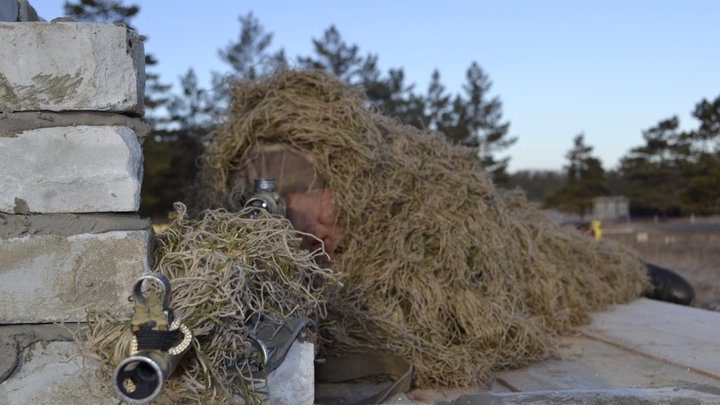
<point x="439" y="265"/>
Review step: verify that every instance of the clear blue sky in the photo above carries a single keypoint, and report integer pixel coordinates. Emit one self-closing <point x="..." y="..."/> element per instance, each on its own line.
<point x="606" y="68"/>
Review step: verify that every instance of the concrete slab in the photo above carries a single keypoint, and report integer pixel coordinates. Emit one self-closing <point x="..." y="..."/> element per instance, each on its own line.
<point x="589" y="364"/>
<point x="12" y="124"/>
<point x="16" y="338"/>
<point x="293" y="382"/>
<point x="50" y="372"/>
<point x="18" y="226"/>
<point x="684" y="336"/>
<point x="70" y="170"/>
<point x="50" y="278"/>
<point x="644" y="352"/>
<point x="71" y="66"/>
<point x="54" y="373"/>
<point x="634" y="396"/>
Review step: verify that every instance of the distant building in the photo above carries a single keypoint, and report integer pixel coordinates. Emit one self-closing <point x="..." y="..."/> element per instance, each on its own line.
<point x="611" y="208"/>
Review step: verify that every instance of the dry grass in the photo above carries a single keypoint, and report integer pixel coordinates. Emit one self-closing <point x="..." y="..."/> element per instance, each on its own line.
<point x="225" y="271"/>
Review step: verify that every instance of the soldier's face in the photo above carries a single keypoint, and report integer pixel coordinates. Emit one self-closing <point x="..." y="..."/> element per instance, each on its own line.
<point x="314" y="212"/>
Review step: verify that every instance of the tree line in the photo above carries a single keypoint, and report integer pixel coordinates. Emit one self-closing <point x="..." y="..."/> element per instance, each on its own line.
<point x="675" y="172"/>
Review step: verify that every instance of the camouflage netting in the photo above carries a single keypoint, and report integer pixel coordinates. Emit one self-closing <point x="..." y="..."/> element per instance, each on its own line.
<point x="225" y="269"/>
<point x="440" y="266"/>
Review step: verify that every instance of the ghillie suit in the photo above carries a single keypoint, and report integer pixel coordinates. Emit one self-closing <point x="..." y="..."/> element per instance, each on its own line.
<point x="225" y="270"/>
<point x="440" y="266"/>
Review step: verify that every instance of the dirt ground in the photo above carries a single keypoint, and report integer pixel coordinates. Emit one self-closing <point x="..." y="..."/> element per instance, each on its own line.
<point x="691" y="248"/>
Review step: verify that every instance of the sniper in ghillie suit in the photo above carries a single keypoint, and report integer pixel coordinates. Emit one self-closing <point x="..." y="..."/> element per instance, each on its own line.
<point x="392" y="241"/>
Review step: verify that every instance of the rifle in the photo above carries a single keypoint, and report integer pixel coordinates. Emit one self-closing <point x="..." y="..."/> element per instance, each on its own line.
<point x="159" y="341"/>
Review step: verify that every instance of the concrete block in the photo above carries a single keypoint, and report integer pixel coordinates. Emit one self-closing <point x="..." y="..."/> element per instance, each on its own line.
<point x="16" y="123"/>
<point x="16" y="338"/>
<point x="8" y="10"/>
<point x="71" y="66"/>
<point x="293" y="383"/>
<point x="50" y="278"/>
<point x="70" y="169"/>
<point x="54" y="373"/>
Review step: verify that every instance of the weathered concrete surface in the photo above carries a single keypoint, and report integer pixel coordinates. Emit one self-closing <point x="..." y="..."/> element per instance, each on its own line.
<point x="293" y="383"/>
<point x="684" y="336"/>
<point x="49" y="278"/>
<point x="16" y="338"/>
<point x="53" y="373"/>
<point x="12" y="124"/>
<point x="629" y="396"/>
<point x="629" y="354"/>
<point x="71" y="66"/>
<point x="51" y="370"/>
<point x="15" y="226"/>
<point x="71" y="170"/>
<point x="8" y="10"/>
<point x="582" y="362"/>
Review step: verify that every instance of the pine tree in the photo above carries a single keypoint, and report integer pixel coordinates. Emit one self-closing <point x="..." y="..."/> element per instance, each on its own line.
<point x="676" y="172"/>
<point x="702" y="195"/>
<point x="112" y="11"/>
<point x="585" y="180"/>
<point x="390" y="93"/>
<point x="707" y="136"/>
<point x="473" y="119"/>
<point x="480" y="124"/>
<point x="537" y="184"/>
<point x="193" y="111"/>
<point x="334" y="55"/>
<point x="171" y="151"/>
<point x="401" y="102"/>
<point x="654" y="174"/>
<point x="248" y="57"/>
<point x="370" y="77"/>
<point x="439" y="107"/>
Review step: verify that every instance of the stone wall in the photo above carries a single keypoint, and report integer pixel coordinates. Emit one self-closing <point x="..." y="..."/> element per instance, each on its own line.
<point x="71" y="129"/>
<point x="71" y="103"/>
